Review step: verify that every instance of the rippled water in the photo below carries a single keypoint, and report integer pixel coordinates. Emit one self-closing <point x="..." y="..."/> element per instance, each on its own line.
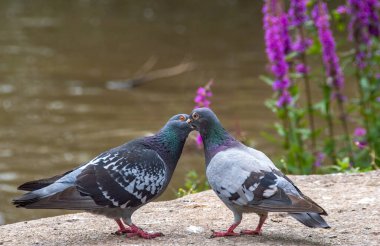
<point x="57" y="57"/>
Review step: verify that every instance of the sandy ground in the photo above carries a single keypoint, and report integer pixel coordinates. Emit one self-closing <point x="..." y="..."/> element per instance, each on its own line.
<point x="352" y="201"/>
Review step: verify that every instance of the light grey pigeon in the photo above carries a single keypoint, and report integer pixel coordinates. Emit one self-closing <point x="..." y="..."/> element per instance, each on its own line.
<point x="117" y="182"/>
<point x="246" y="180"/>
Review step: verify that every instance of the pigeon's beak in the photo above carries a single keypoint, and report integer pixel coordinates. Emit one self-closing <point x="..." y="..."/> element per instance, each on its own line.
<point x="189" y="121"/>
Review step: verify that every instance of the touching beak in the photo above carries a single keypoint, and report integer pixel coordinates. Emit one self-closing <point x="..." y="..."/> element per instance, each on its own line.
<point x="189" y="121"/>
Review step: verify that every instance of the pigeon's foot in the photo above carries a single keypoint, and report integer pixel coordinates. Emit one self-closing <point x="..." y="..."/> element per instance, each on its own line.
<point x="230" y="232"/>
<point x="122" y="230"/>
<point x="136" y="231"/>
<point x="251" y="232"/>
<point x="258" y="230"/>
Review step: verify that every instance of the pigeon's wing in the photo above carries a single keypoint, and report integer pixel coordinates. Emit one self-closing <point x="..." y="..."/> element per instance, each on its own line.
<point x="123" y="179"/>
<point x="112" y="179"/>
<point x="248" y="178"/>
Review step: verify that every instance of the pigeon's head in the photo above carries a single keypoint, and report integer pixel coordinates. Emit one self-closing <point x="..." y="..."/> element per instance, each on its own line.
<point x="202" y="118"/>
<point x="178" y="123"/>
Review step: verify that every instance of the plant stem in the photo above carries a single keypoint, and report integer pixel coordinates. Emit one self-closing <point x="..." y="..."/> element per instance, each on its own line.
<point x="309" y="100"/>
<point x="330" y="125"/>
<point x="343" y="119"/>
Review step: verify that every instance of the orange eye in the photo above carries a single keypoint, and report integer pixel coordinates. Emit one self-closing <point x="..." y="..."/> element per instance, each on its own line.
<point x="182" y="118"/>
<point x="195" y="116"/>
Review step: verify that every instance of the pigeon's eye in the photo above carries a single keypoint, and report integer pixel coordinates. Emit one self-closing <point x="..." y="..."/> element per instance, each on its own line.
<point x="195" y="116"/>
<point x="182" y="118"/>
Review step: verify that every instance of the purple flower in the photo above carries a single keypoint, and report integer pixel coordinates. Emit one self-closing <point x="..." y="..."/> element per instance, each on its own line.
<point x="278" y="45"/>
<point x="203" y="95"/>
<point x="363" y="25"/>
<point x="280" y="85"/>
<point x="360" y="132"/>
<point x="274" y="41"/>
<point x="201" y="91"/>
<point x="301" y="45"/>
<point x="285" y="33"/>
<point x="297" y="12"/>
<point x="202" y="100"/>
<point x="342" y="9"/>
<point x="374" y="26"/>
<point x="301" y="68"/>
<point x="378" y="99"/>
<point x="329" y="56"/>
<point x="319" y="158"/>
<point x="284" y="99"/>
<point x="361" y="144"/>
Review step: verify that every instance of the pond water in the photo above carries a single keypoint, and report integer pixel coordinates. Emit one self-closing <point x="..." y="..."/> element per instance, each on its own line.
<point x="57" y="58"/>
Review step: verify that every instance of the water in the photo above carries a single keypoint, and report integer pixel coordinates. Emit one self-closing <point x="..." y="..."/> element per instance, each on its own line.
<point x="57" y="57"/>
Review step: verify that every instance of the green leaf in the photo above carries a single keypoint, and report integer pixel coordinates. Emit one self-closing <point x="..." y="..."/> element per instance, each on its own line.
<point x="291" y="56"/>
<point x="267" y="80"/>
<point x="280" y="129"/>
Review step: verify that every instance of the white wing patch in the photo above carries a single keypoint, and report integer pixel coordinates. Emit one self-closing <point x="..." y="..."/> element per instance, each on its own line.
<point x="270" y="191"/>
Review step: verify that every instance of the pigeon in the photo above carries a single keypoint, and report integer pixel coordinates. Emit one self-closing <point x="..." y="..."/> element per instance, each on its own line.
<point x="246" y="180"/>
<point x="117" y="182"/>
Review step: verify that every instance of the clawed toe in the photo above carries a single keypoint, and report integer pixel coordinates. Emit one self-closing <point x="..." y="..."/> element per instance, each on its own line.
<point x="136" y="231"/>
<point x="122" y="232"/>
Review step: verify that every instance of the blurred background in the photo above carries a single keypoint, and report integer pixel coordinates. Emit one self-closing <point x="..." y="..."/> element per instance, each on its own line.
<point x="61" y="99"/>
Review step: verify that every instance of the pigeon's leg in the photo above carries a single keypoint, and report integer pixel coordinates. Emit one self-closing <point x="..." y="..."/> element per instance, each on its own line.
<point x="136" y="231"/>
<point x="230" y="232"/>
<point x="258" y="230"/>
<point x="122" y="229"/>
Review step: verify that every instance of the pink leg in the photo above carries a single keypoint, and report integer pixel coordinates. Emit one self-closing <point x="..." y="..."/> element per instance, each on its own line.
<point x="136" y="231"/>
<point x="122" y="229"/>
<point x="258" y="230"/>
<point x="229" y="232"/>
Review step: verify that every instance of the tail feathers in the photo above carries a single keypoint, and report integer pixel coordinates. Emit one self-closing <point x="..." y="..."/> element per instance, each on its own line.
<point x="312" y="220"/>
<point x="26" y="199"/>
<point x="69" y="198"/>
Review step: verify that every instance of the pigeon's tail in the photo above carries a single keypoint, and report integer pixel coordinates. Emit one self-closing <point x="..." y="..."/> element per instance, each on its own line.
<point x="59" y="198"/>
<point x="312" y="220"/>
<point x="58" y="192"/>
<point x="29" y="199"/>
<point x="26" y="200"/>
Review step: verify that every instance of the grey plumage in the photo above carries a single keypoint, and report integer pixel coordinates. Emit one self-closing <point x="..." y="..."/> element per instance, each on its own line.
<point x="116" y="182"/>
<point x="246" y="180"/>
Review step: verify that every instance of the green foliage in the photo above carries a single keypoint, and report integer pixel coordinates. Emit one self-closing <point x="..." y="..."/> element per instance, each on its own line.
<point x="344" y="166"/>
<point x="332" y="137"/>
<point x="193" y="184"/>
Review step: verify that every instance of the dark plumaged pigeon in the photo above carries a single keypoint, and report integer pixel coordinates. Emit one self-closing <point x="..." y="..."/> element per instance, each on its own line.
<point x="117" y="182"/>
<point x="247" y="181"/>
